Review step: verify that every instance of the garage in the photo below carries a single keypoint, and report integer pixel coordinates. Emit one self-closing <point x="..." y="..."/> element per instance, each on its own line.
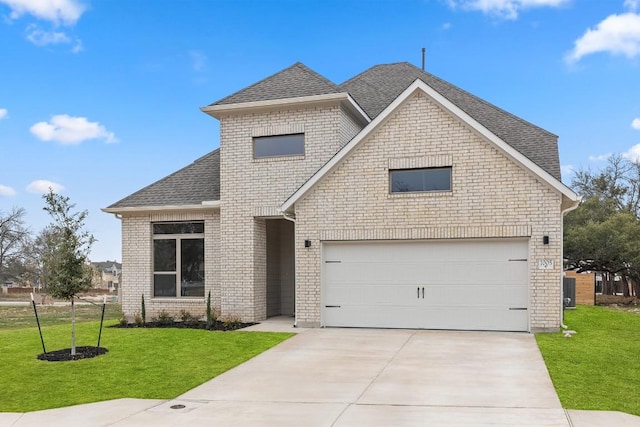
<point x="436" y="284"/>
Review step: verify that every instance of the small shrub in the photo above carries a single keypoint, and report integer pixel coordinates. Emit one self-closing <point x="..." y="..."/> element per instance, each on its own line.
<point x="164" y="319"/>
<point x="188" y="319"/>
<point x="209" y="313"/>
<point x="123" y="319"/>
<point x="143" y="311"/>
<point x="231" y="321"/>
<point x="137" y="319"/>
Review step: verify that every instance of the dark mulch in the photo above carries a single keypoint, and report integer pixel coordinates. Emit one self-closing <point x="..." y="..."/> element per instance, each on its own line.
<point x="216" y="326"/>
<point x="616" y="299"/>
<point x="84" y="352"/>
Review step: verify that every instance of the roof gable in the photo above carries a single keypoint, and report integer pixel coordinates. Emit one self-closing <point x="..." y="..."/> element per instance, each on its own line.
<point x="452" y="108"/>
<point x="293" y="82"/>
<point x="375" y="88"/>
<point x="191" y="185"/>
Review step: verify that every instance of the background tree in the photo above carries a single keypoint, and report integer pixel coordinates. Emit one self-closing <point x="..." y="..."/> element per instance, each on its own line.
<point x="603" y="233"/>
<point x="66" y="250"/>
<point x="14" y="237"/>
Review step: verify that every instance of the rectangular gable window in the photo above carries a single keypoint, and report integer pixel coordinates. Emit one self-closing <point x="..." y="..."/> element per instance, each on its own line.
<point x="278" y="146"/>
<point x="178" y="259"/>
<point x="420" y="180"/>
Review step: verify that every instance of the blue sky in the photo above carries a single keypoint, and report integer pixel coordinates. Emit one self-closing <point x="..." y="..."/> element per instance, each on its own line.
<point x="100" y="98"/>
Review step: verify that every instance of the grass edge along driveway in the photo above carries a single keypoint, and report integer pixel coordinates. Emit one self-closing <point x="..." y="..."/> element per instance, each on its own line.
<point x="596" y="369"/>
<point x="141" y="363"/>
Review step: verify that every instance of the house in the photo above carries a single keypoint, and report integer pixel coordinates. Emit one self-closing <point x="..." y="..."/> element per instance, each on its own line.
<point x="393" y="200"/>
<point x="106" y="275"/>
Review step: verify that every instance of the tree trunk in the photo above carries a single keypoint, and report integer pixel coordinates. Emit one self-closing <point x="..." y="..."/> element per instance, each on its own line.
<point x="625" y="286"/>
<point x="73" y="328"/>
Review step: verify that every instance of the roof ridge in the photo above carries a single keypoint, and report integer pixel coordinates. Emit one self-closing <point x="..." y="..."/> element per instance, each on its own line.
<point x="199" y="159"/>
<point x="302" y="67"/>
<point x="483" y="101"/>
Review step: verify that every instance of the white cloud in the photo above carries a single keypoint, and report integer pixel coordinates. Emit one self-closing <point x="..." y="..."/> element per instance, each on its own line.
<point x="69" y="130"/>
<point x="600" y="158"/>
<point x="58" y="12"/>
<point x="42" y="186"/>
<point x="631" y="5"/>
<point x="633" y="153"/>
<point x="40" y="37"/>
<point x="617" y="34"/>
<point x="506" y="9"/>
<point x="567" y="169"/>
<point x="636" y="123"/>
<point x="446" y="26"/>
<point x="4" y="113"/>
<point x="6" y="191"/>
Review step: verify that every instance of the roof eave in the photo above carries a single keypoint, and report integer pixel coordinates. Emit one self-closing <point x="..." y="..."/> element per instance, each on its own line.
<point x="343" y="98"/>
<point x="205" y="205"/>
<point x="473" y="124"/>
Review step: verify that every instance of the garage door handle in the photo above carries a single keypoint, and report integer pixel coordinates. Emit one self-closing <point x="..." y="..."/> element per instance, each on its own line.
<point x="418" y="289"/>
<point x="517" y="308"/>
<point x="423" y="292"/>
<point x="332" y="306"/>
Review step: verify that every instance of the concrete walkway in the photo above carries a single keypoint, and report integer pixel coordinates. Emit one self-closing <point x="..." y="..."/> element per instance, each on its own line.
<point x="359" y="377"/>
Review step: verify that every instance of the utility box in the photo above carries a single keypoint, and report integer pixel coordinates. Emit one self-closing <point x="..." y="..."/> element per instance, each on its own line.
<point x="569" y="292"/>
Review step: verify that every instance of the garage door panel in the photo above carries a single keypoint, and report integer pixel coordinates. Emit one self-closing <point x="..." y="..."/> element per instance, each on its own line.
<point x="457" y="284"/>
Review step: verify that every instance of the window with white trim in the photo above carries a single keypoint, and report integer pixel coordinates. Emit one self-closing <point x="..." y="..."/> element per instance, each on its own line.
<point x="278" y="145"/>
<point x="178" y="259"/>
<point x="420" y="180"/>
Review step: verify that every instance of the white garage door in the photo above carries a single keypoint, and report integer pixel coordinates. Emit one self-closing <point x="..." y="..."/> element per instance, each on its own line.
<point x="444" y="284"/>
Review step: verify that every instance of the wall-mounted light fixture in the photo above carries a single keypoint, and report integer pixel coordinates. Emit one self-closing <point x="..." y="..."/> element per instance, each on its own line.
<point x="545" y="240"/>
<point x="307" y="243"/>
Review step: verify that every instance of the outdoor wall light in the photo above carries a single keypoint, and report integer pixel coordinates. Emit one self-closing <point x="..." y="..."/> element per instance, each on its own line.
<point x="545" y="240"/>
<point x="307" y="243"/>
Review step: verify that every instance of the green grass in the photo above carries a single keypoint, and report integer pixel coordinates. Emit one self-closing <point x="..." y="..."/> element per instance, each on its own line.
<point x="15" y="317"/>
<point x="599" y="367"/>
<point x="141" y="363"/>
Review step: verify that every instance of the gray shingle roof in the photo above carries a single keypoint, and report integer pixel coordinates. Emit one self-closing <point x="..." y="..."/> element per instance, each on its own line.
<point x="293" y="82"/>
<point x="191" y="185"/>
<point x="373" y="90"/>
<point x="377" y="87"/>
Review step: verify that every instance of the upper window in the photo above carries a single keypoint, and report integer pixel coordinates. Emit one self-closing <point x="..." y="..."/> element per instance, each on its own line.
<point x="420" y="180"/>
<point x="278" y="146"/>
<point x="178" y="259"/>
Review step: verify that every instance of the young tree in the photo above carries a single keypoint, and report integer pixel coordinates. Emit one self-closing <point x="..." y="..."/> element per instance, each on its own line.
<point x="64" y="262"/>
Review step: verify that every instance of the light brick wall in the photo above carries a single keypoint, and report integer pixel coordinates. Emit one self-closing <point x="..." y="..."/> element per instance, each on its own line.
<point x="252" y="188"/>
<point x="492" y="197"/>
<point x="137" y="266"/>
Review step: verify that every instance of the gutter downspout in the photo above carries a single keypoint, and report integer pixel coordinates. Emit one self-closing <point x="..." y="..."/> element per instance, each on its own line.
<point x="564" y="212"/>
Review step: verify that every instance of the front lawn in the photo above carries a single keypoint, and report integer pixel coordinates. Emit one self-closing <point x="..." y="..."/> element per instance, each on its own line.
<point x="599" y="367"/>
<point x="22" y="316"/>
<point x="141" y="363"/>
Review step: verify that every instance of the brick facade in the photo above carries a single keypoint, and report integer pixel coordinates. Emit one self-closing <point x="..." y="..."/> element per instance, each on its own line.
<point x="253" y="189"/>
<point x="492" y="197"/>
<point x="137" y="271"/>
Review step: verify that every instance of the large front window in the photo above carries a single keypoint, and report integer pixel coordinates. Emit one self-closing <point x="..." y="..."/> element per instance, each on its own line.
<point x="420" y="180"/>
<point x="278" y="146"/>
<point x="178" y="259"/>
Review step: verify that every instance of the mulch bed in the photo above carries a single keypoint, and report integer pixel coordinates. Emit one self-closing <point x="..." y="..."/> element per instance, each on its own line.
<point x="84" y="352"/>
<point x="216" y="326"/>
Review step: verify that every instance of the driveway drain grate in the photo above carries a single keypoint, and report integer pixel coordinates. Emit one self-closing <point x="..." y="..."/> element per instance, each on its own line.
<point x="177" y="406"/>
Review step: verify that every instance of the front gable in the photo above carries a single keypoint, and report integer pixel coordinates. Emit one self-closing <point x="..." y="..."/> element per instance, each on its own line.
<point x="488" y="187"/>
<point x="457" y="117"/>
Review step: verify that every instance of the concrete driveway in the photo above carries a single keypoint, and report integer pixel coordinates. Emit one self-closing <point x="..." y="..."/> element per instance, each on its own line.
<point x="357" y="377"/>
